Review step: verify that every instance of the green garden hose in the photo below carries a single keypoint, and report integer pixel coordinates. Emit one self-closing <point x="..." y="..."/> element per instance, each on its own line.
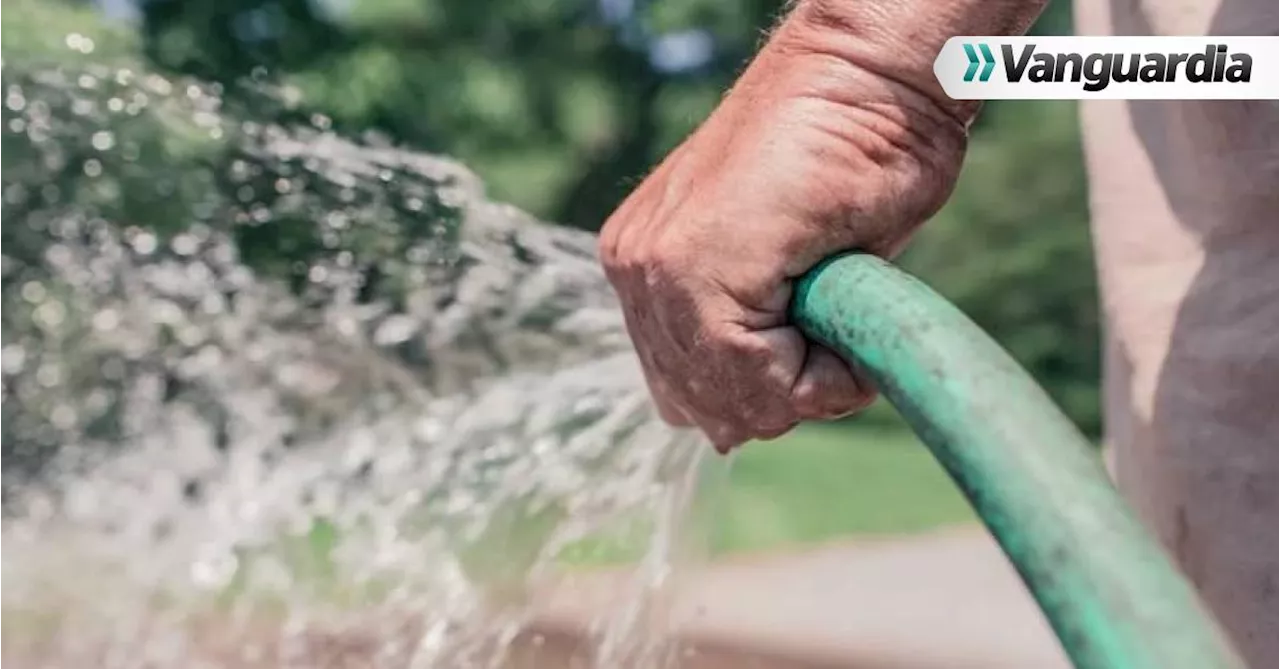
<point x="1111" y="594"/>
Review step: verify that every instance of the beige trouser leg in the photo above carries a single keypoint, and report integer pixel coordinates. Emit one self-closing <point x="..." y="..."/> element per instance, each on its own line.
<point x="1184" y="204"/>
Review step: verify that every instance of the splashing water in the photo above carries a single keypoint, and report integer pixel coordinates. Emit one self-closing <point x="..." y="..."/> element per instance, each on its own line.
<point x="276" y="397"/>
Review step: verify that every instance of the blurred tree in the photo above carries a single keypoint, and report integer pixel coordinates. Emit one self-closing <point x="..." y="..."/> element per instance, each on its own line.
<point x="1012" y="249"/>
<point x="43" y="30"/>
<point x="561" y="105"/>
<point x="558" y="102"/>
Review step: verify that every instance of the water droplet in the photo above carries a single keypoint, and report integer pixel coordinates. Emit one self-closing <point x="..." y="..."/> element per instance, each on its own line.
<point x="33" y="292"/>
<point x="185" y="244"/>
<point x="49" y="374"/>
<point x="15" y="193"/>
<point x="50" y="313"/>
<point x="103" y="140"/>
<point x="15" y="100"/>
<point x="78" y="42"/>
<point x="12" y="359"/>
<point x="394" y="330"/>
<point x="215" y="570"/>
<point x="106" y="320"/>
<point x="144" y="243"/>
<point x="63" y="417"/>
<point x="159" y="85"/>
<point x="92" y="167"/>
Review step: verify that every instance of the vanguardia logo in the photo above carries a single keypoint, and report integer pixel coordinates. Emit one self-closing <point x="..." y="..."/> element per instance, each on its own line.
<point x="1082" y="67"/>
<point x="1098" y="70"/>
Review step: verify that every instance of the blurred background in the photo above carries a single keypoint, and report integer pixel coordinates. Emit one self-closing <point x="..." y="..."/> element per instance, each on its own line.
<point x="561" y="106"/>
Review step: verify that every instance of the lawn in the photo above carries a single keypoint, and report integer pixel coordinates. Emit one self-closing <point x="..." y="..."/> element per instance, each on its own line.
<point x="824" y="481"/>
<point x="833" y="480"/>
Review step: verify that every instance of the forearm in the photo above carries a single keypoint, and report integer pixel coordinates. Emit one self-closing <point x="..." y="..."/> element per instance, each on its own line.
<point x="897" y="40"/>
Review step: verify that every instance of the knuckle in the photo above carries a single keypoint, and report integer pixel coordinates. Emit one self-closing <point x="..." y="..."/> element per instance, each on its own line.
<point x="671" y="253"/>
<point x="761" y="413"/>
<point x="812" y="402"/>
<point x="710" y="343"/>
<point x="753" y="351"/>
<point x="607" y="245"/>
<point x="773" y="432"/>
<point x="611" y="260"/>
<point x="726" y="439"/>
<point x="772" y="414"/>
<point x="770" y="426"/>
<point x="653" y="272"/>
<point x="807" y="397"/>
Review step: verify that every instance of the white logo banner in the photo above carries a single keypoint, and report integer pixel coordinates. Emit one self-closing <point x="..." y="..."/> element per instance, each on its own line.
<point x="1128" y="68"/>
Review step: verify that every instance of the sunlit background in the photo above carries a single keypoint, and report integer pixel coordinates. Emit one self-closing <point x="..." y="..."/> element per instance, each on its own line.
<point x="562" y="105"/>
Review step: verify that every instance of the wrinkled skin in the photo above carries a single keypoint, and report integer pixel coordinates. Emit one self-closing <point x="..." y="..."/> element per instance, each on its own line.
<point x="811" y="153"/>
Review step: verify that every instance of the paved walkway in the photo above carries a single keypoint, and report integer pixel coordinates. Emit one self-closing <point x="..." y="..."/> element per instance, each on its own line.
<point x="948" y="599"/>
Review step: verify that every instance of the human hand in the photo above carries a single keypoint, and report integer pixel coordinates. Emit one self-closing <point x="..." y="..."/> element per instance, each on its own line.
<point x="810" y="154"/>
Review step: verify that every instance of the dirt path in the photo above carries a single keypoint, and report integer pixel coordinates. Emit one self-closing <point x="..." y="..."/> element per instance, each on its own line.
<point x="944" y="600"/>
<point x="947" y="599"/>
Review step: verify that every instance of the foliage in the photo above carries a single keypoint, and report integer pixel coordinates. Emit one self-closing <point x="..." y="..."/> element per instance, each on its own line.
<point x="561" y="105"/>
<point x="556" y="102"/>
<point x="43" y="30"/>
<point x="1012" y="249"/>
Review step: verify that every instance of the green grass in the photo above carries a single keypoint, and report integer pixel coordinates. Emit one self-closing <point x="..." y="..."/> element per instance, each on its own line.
<point x="822" y="482"/>
<point x="833" y="480"/>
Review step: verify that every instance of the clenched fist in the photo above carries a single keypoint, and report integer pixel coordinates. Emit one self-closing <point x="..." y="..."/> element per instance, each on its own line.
<point x="820" y="147"/>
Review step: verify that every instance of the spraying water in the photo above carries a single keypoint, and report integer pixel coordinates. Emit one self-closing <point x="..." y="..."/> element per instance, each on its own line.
<point x="276" y="397"/>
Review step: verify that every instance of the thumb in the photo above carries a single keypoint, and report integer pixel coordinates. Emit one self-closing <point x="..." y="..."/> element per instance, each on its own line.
<point x="828" y="387"/>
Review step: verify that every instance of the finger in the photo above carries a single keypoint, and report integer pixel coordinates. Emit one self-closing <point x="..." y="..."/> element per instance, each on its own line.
<point x="774" y="433"/>
<point x="828" y="388"/>
<point x="663" y="400"/>
<point x="761" y="367"/>
<point x="638" y="326"/>
<point x="723" y="435"/>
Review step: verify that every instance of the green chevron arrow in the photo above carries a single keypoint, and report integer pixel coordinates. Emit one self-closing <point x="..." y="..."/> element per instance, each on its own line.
<point x="988" y="62"/>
